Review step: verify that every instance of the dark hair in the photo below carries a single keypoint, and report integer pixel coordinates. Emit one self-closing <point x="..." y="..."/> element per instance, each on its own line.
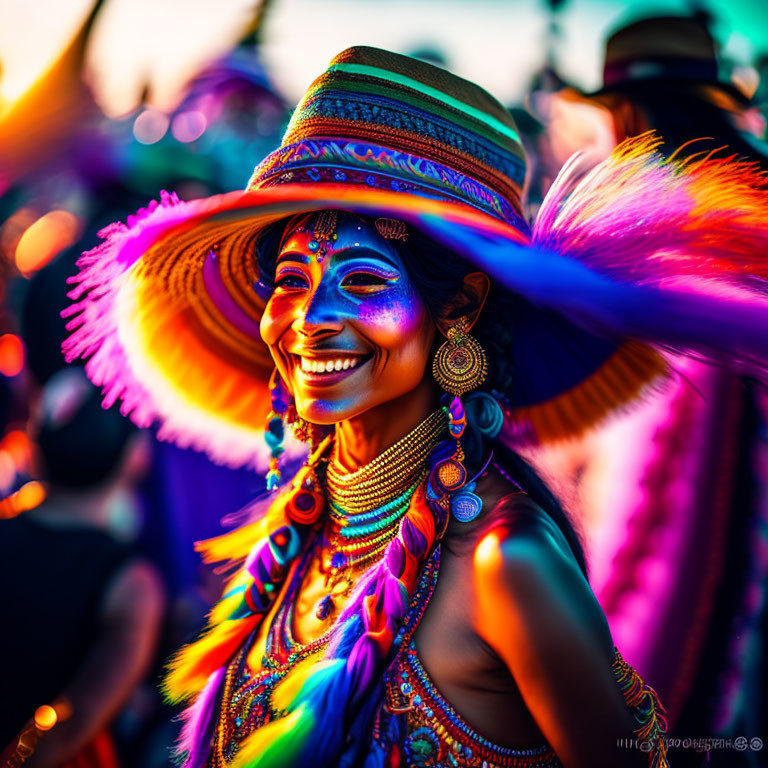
<point x="438" y="275"/>
<point x="86" y="450"/>
<point x="680" y="114"/>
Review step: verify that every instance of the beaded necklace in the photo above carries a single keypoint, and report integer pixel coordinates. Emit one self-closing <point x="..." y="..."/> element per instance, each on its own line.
<point x="388" y="475"/>
<point x="246" y="703"/>
<point x="365" y="507"/>
<point x="364" y="513"/>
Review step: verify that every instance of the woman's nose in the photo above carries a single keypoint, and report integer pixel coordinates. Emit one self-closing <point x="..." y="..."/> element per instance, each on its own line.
<point x="323" y="312"/>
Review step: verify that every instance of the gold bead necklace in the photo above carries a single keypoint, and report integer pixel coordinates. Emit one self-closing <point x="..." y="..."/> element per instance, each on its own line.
<point x="366" y="506"/>
<point x="389" y="475"/>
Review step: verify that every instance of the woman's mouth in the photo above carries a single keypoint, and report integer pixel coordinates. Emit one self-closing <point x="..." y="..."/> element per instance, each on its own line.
<point x="328" y="369"/>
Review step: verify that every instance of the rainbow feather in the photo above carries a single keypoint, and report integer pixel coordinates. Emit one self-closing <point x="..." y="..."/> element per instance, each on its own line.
<point x="198" y="721"/>
<point x="675" y="250"/>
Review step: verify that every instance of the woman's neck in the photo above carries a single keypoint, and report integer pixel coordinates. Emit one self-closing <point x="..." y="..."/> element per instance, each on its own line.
<point x="361" y="439"/>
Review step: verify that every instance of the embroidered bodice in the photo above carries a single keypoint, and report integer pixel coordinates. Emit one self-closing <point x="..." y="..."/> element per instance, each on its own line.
<point x="413" y="726"/>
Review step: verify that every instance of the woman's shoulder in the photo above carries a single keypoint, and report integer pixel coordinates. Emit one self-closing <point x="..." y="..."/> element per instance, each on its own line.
<point x="514" y="524"/>
<point x="525" y="570"/>
<point x="521" y="539"/>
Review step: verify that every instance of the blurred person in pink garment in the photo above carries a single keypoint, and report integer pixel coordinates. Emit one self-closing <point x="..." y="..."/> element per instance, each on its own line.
<point x="676" y="492"/>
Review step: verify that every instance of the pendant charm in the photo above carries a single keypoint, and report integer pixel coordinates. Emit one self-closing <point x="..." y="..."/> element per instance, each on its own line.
<point x="324" y="608"/>
<point x="466" y="505"/>
<point x="449" y="475"/>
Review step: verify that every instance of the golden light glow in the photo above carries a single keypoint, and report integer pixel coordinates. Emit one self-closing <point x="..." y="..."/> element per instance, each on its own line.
<point x="45" y="239"/>
<point x="13" y="228"/>
<point x="11" y="355"/>
<point x="45" y="717"/>
<point x="29" y="496"/>
<point x="18" y="447"/>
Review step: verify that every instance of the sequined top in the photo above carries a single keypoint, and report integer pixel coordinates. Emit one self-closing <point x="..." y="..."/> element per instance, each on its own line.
<point x="414" y="726"/>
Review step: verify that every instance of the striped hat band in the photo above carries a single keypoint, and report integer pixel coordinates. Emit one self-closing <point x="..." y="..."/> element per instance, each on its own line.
<point x="389" y="122"/>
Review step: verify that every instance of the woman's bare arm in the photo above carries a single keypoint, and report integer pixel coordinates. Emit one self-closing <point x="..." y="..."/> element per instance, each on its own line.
<point x="536" y="610"/>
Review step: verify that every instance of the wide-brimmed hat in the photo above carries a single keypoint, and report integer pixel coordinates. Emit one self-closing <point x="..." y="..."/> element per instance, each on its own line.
<point x="665" y="52"/>
<point x="167" y="308"/>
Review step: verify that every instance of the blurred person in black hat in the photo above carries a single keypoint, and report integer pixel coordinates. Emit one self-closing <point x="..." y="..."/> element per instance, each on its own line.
<point x="85" y="609"/>
<point x="662" y="74"/>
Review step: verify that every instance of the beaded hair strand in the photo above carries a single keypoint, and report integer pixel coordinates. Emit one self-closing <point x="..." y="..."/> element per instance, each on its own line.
<point x="198" y="668"/>
<point x="322" y="700"/>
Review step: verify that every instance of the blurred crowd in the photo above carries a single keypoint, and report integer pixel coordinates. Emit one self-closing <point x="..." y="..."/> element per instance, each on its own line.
<point x="100" y="581"/>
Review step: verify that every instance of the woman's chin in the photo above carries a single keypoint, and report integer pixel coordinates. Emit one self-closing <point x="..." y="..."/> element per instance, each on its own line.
<point x="326" y="413"/>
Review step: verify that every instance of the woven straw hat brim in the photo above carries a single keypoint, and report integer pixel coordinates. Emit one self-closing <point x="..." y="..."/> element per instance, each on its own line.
<point x="168" y="310"/>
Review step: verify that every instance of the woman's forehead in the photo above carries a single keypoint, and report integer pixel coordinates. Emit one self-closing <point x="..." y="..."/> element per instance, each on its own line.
<point x="346" y="234"/>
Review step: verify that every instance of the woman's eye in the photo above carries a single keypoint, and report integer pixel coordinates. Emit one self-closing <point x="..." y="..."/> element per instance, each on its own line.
<point x="364" y="282"/>
<point x="291" y="280"/>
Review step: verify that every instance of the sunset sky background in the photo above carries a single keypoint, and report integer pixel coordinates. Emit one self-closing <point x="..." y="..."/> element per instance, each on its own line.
<point x="155" y="46"/>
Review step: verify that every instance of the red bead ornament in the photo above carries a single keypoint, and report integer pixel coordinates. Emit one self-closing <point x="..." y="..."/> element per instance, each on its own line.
<point x="304" y="507"/>
<point x="305" y="502"/>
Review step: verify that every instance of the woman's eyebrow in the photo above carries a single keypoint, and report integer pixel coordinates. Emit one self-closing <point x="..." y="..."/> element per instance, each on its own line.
<point x="353" y="251"/>
<point x="302" y="258"/>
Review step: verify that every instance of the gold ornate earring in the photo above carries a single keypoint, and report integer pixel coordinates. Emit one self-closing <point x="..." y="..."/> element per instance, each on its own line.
<point x="460" y="364"/>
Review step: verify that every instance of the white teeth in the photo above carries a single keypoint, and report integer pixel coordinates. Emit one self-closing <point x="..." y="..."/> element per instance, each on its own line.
<point x="328" y="366"/>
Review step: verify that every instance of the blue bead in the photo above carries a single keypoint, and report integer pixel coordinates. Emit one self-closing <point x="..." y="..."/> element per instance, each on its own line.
<point x="406" y="688"/>
<point x="313" y="245"/>
<point x="417" y="700"/>
<point x="466" y="506"/>
<point x="324" y="608"/>
<point x="238" y="721"/>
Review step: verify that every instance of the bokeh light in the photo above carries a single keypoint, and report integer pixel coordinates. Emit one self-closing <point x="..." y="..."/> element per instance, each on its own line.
<point x="7" y="472"/>
<point x="45" y="239"/>
<point x="11" y="355"/>
<point x="188" y="126"/>
<point x="13" y="228"/>
<point x="45" y="717"/>
<point x="150" y="126"/>
<point x="18" y="447"/>
<point x="29" y="496"/>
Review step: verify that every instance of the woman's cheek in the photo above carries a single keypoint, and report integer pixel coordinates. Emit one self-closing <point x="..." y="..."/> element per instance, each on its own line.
<point x="277" y="318"/>
<point x="393" y="316"/>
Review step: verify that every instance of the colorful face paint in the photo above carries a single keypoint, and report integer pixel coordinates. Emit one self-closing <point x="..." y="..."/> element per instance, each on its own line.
<point x="346" y="328"/>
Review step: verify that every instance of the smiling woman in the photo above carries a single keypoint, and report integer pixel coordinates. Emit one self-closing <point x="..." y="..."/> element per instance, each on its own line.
<point x="415" y="596"/>
<point x="345" y="324"/>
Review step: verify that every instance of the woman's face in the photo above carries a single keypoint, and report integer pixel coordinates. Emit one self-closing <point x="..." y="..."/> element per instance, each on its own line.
<point x="346" y="328"/>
